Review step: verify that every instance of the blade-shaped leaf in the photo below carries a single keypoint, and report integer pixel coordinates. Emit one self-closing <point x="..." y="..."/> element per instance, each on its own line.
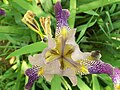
<point x="95" y="4"/>
<point x="81" y="85"/>
<point x="96" y="85"/>
<point x="14" y="30"/>
<point x="38" y="46"/>
<point x="56" y="83"/>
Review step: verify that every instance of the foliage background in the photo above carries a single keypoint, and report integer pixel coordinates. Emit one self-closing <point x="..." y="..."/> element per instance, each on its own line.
<point x="98" y="28"/>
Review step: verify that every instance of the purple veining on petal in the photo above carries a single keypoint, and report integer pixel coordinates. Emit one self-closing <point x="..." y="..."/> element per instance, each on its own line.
<point x="116" y="76"/>
<point x="2" y="12"/>
<point x="99" y="67"/>
<point x="58" y="11"/>
<point x="32" y="74"/>
<point x="65" y="15"/>
<point x="61" y="16"/>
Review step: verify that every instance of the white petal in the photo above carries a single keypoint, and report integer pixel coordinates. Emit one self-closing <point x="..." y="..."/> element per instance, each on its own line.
<point x="37" y="59"/>
<point x="52" y="67"/>
<point x="51" y="42"/>
<point x="71" y="75"/>
<point x="71" y="40"/>
<point x="48" y="77"/>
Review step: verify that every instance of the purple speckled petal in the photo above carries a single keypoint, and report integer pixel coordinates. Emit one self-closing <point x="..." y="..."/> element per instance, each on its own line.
<point x="32" y="74"/>
<point x="61" y="17"/>
<point x="65" y="15"/>
<point x="116" y="76"/>
<point x="99" y="67"/>
<point x="58" y="11"/>
<point x="2" y="12"/>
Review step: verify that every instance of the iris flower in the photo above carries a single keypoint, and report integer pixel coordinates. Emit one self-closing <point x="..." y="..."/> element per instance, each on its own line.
<point x="61" y="55"/>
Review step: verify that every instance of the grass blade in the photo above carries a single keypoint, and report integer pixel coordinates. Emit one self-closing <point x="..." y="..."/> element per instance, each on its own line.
<point x="72" y="13"/>
<point x="81" y="85"/>
<point x="95" y="4"/>
<point x="96" y="85"/>
<point x="38" y="11"/>
<point x="56" y="83"/>
<point x="14" y="30"/>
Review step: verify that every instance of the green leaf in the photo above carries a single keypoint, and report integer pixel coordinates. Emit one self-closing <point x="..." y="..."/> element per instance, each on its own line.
<point x="72" y="13"/>
<point x="80" y="28"/>
<point x="35" y="47"/>
<point x="55" y="1"/>
<point x="108" y="88"/>
<point x="91" y="12"/>
<point x="44" y="86"/>
<point x="47" y="5"/>
<point x="38" y="11"/>
<point x="56" y="83"/>
<point x="2" y="36"/>
<point x="95" y="4"/>
<point x="14" y="30"/>
<point x="96" y="85"/>
<point x="84" y="28"/>
<point x="81" y="85"/>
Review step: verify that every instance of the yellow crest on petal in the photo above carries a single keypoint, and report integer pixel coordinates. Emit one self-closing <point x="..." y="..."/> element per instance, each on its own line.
<point x="63" y="32"/>
<point x="117" y="87"/>
<point x="41" y="71"/>
<point x="84" y="70"/>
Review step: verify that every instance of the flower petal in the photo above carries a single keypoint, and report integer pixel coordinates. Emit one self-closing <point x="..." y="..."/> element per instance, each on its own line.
<point x="51" y="42"/>
<point x="48" y="77"/>
<point x="71" y="75"/>
<point x="32" y="74"/>
<point x="37" y="59"/>
<point x="76" y="55"/>
<point x="45" y="23"/>
<point x="61" y="16"/>
<point x="99" y="67"/>
<point x="116" y="78"/>
<point x="58" y="10"/>
<point x="50" y="69"/>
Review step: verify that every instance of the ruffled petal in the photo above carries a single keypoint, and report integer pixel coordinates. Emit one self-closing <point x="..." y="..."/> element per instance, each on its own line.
<point x="76" y="55"/>
<point x="50" y="69"/>
<point x="71" y="75"/>
<point x="37" y="59"/>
